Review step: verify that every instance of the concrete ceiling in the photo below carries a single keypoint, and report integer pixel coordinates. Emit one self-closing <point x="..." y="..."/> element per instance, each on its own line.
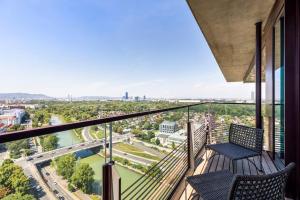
<point x="229" y="29"/>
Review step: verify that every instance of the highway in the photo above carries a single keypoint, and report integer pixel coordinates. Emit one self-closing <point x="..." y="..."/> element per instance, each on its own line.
<point x="45" y="156"/>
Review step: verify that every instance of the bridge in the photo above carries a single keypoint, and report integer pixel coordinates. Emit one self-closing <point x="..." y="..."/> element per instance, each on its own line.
<point x="49" y="155"/>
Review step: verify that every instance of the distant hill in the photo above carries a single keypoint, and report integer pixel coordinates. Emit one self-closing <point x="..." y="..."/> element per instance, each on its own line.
<point x="23" y="96"/>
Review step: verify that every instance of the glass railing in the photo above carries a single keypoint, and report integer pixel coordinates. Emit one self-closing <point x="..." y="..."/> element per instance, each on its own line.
<point x="63" y="165"/>
<point x="64" y="160"/>
<point x="149" y="152"/>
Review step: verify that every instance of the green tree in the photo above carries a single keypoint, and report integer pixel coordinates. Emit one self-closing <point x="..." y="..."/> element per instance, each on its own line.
<point x="16" y="127"/>
<point x="150" y="135"/>
<point x="119" y="130"/>
<point x="173" y="145"/>
<point x="19" y="196"/>
<point x="13" y="178"/>
<point x="65" y="165"/>
<point x="83" y="177"/>
<point x="15" y="148"/>
<point x="157" y="141"/>
<point x="49" y="142"/>
<point x="147" y="126"/>
<point x="136" y="131"/>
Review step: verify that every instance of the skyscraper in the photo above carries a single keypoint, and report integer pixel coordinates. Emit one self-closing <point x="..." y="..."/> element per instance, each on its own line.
<point x="126" y="95"/>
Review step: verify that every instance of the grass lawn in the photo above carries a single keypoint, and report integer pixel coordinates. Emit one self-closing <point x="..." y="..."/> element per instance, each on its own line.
<point x="96" y="134"/>
<point x="135" y="151"/>
<point x="95" y="161"/>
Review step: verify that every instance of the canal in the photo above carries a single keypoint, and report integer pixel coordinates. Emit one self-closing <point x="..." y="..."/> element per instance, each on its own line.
<point x="66" y="138"/>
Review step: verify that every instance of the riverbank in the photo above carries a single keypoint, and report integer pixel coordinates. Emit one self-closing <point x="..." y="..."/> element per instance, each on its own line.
<point x="65" y="138"/>
<point x="76" y="131"/>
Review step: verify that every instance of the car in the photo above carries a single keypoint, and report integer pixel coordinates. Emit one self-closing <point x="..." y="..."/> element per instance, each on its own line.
<point x="82" y="145"/>
<point x="29" y="159"/>
<point x="61" y="198"/>
<point x="70" y="148"/>
<point x="53" y="152"/>
<point x="55" y="191"/>
<point x="47" y="173"/>
<point x="55" y="183"/>
<point x="40" y="156"/>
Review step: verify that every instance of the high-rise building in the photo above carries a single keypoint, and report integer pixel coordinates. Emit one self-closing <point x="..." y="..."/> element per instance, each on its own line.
<point x="126" y="95"/>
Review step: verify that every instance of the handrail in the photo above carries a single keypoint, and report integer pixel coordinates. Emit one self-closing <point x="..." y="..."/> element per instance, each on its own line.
<point x="17" y="135"/>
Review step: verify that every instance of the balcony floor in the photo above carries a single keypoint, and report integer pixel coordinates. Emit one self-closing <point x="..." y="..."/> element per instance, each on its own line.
<point x="219" y="162"/>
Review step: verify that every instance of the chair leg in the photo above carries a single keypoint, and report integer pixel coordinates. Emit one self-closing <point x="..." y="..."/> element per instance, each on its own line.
<point x="233" y="166"/>
<point x="261" y="167"/>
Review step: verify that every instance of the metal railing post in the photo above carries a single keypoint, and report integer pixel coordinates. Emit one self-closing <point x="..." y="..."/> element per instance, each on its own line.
<point x="105" y="143"/>
<point x="107" y="182"/>
<point x="190" y="144"/>
<point x="110" y="141"/>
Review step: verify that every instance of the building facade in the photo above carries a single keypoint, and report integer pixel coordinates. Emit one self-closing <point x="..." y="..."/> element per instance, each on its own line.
<point x="168" y="127"/>
<point x="11" y="117"/>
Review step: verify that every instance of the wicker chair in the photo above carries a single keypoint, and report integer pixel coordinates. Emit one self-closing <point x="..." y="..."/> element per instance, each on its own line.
<point x="223" y="185"/>
<point x="244" y="142"/>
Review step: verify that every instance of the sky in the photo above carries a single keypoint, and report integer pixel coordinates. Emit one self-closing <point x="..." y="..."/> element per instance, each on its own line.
<point x="106" y="47"/>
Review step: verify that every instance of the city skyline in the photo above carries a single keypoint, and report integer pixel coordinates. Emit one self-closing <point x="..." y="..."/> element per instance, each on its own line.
<point x="58" y="48"/>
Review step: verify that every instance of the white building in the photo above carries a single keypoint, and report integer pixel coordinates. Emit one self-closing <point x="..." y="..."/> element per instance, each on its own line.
<point x="11" y="117"/>
<point x="167" y="139"/>
<point x="168" y="127"/>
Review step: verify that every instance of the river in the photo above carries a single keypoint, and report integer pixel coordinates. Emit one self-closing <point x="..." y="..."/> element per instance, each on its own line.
<point x="66" y="138"/>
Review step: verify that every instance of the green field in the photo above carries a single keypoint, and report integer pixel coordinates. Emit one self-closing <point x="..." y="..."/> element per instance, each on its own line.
<point x="135" y="151"/>
<point x="99" y="134"/>
<point x="95" y="161"/>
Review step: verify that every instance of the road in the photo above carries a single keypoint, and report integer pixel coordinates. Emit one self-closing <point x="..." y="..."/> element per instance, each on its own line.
<point x="42" y="157"/>
<point x="133" y="158"/>
<point x="87" y="137"/>
<point x="56" y="188"/>
<point x="86" y="134"/>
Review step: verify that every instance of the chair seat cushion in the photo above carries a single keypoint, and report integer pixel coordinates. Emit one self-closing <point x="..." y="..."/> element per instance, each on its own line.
<point x="212" y="186"/>
<point x="232" y="151"/>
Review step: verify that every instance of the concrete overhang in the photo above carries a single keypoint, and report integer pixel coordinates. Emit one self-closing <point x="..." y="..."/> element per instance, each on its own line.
<point x="229" y="29"/>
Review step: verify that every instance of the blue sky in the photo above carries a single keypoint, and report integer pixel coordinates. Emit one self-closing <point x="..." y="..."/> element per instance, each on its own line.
<point x="107" y="47"/>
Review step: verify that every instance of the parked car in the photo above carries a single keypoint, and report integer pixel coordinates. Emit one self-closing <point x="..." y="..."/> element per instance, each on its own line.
<point x="29" y="159"/>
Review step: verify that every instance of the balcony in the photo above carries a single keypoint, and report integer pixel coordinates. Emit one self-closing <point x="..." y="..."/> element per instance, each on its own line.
<point x="158" y="172"/>
<point x="252" y="41"/>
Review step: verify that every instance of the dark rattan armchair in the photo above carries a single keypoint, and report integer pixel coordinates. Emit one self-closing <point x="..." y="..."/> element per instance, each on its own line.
<point x="244" y="142"/>
<point x="223" y="185"/>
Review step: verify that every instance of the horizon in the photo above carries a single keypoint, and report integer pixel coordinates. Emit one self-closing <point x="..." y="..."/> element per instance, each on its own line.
<point x="80" y="48"/>
<point x="117" y="97"/>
